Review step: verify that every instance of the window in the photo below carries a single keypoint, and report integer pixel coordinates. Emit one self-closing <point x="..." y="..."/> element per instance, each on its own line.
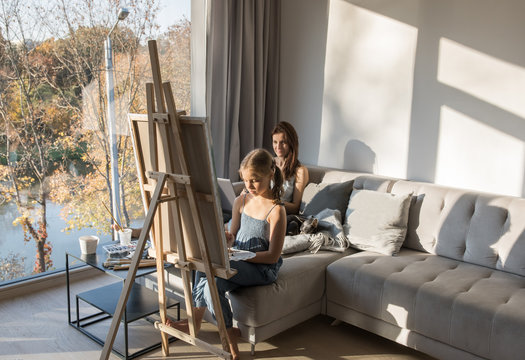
<point x="54" y="147"/>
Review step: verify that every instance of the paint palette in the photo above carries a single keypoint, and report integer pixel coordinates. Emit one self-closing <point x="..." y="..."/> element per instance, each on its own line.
<point x="117" y="250"/>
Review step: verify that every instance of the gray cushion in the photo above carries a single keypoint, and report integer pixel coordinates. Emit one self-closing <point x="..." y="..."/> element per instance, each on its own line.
<point x="317" y="197"/>
<point x="377" y="221"/>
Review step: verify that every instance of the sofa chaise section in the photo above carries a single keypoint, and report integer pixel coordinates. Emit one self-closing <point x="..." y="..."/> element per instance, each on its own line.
<point x="456" y="290"/>
<point x="297" y="295"/>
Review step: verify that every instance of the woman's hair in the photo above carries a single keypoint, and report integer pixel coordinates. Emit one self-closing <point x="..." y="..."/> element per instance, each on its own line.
<point x="291" y="163"/>
<point x="262" y="163"/>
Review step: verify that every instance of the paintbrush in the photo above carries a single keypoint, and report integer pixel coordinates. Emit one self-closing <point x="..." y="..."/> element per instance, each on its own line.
<point x="141" y="265"/>
<point x="125" y="265"/>
<point x="120" y="228"/>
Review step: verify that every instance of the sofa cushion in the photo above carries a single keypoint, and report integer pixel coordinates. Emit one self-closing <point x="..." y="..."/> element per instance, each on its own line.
<point x="317" y="197"/>
<point x="377" y="221"/>
<point x="301" y="282"/>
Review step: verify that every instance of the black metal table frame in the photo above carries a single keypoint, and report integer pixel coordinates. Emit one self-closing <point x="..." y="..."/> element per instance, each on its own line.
<point x="80" y="323"/>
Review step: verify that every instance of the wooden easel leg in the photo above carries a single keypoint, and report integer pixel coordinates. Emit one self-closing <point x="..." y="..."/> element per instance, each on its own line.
<point x="161" y="293"/>
<point x="189" y="301"/>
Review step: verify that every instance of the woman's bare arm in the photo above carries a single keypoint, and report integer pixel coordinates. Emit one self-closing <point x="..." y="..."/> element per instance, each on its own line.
<point x="301" y="180"/>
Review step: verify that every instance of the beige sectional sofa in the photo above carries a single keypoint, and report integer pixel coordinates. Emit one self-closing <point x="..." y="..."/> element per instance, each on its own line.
<point x="455" y="290"/>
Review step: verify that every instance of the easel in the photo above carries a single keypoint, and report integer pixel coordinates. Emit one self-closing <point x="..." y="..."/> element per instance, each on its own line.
<point x="180" y="193"/>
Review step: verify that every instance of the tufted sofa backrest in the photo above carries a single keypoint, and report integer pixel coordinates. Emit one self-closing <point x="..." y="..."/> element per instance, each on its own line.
<point x="361" y="180"/>
<point x="318" y="174"/>
<point x="470" y="226"/>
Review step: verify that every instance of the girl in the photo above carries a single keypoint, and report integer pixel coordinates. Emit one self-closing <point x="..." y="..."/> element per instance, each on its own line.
<point x="286" y="147"/>
<point x="258" y="225"/>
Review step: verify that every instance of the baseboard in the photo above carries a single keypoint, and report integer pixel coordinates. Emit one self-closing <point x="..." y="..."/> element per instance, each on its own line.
<point x="44" y="282"/>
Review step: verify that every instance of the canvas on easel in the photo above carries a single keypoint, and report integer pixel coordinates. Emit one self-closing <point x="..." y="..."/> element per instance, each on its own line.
<point x="183" y="214"/>
<point x="193" y="128"/>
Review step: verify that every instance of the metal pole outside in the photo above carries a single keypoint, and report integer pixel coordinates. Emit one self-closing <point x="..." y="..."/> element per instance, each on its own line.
<point x="110" y="89"/>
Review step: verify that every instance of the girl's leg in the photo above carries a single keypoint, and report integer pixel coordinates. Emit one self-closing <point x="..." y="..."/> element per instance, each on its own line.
<point x="203" y="300"/>
<point x="248" y="274"/>
<point x="222" y="287"/>
<point x="199" y="308"/>
<point x="183" y="325"/>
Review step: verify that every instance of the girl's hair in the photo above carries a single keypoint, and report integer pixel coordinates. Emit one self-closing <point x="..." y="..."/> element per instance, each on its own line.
<point x="291" y="163"/>
<point x="262" y="163"/>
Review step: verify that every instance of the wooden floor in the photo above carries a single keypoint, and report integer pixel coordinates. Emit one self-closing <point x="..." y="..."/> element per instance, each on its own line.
<point x="34" y="326"/>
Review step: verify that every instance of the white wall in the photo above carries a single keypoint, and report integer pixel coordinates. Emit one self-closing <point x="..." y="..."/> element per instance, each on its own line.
<point x="424" y="90"/>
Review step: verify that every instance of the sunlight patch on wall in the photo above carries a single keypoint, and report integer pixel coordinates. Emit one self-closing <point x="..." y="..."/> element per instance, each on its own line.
<point x="369" y="69"/>
<point x="476" y="156"/>
<point x="492" y="80"/>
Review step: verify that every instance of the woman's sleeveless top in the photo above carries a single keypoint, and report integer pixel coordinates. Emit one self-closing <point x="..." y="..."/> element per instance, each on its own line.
<point x="288" y="187"/>
<point x="254" y="235"/>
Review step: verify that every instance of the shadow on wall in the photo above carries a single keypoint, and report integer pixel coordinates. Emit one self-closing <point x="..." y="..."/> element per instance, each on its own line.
<point x="359" y="156"/>
<point x="303" y="47"/>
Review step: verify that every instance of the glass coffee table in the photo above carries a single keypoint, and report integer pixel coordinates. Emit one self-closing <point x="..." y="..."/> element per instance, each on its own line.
<point x="142" y="302"/>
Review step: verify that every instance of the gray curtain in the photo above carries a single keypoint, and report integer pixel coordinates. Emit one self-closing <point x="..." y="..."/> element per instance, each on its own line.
<point x="242" y="73"/>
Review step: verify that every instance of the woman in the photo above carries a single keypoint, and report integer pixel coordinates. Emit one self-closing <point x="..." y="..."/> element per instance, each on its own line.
<point x="286" y="147"/>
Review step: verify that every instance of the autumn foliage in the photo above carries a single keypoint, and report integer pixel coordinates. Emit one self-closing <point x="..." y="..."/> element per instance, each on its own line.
<point x="53" y="110"/>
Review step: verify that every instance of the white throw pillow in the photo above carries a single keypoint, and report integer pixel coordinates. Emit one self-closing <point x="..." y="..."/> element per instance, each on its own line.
<point x="377" y="221"/>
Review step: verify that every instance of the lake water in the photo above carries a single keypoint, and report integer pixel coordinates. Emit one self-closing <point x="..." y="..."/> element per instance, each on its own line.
<point x="12" y="237"/>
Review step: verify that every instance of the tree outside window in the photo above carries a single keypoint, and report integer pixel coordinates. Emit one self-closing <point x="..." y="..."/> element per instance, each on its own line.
<point x="53" y="133"/>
